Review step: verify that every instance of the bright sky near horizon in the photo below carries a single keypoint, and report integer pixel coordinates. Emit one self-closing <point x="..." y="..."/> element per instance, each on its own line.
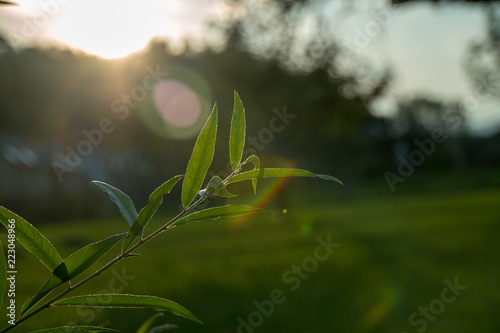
<point x="110" y="29"/>
<point x="426" y="44"/>
<point x="427" y="47"/>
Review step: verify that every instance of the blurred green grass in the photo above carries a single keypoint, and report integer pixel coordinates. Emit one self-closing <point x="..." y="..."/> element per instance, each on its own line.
<point x="395" y="253"/>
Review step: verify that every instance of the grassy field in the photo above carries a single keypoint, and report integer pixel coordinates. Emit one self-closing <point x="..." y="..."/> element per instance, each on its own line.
<point x="394" y="256"/>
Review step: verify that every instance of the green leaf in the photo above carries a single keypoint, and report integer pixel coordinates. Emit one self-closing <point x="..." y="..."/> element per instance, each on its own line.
<point x="201" y="158"/>
<point x="328" y="177"/>
<point x="49" y="285"/>
<point x="148" y="323"/>
<point x="271" y="172"/>
<point x="129" y="301"/>
<point x="145" y="215"/>
<point x="256" y="163"/>
<point x="237" y="135"/>
<point x="155" y="200"/>
<point x="217" y="212"/>
<point x="3" y="275"/>
<point x="122" y="200"/>
<point x="75" y="329"/>
<point x="32" y="239"/>
<point x="74" y="265"/>
<point x="163" y="328"/>
<point x="82" y="259"/>
<point x="216" y="187"/>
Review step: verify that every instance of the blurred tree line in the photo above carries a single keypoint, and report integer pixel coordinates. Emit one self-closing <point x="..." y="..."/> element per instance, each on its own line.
<point x="48" y="96"/>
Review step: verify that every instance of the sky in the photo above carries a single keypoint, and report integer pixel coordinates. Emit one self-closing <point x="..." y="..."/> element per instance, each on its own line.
<point x="110" y="29"/>
<point x="425" y="44"/>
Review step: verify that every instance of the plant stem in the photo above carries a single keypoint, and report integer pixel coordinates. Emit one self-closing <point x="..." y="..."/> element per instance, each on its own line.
<point x="169" y="225"/>
<point x="49" y="303"/>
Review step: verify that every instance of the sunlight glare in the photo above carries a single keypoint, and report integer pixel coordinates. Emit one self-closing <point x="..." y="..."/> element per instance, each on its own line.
<point x="116" y="28"/>
<point x="177" y="103"/>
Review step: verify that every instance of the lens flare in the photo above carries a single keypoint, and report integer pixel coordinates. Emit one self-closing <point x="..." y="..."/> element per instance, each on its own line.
<point x="266" y="194"/>
<point x="177" y="104"/>
<point x="389" y="299"/>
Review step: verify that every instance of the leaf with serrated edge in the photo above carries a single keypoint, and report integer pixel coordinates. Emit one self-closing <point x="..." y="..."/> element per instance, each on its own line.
<point x="122" y="201"/>
<point x="75" y="329"/>
<point x="217" y="212"/>
<point x="74" y="265"/>
<point x="214" y="187"/>
<point x="271" y="172"/>
<point x="328" y="177"/>
<point x="129" y="301"/>
<point x="201" y="158"/>
<point x="256" y="163"/>
<point x="145" y="215"/>
<point x="82" y="259"/>
<point x="32" y="239"/>
<point x="237" y="134"/>
<point x="51" y="283"/>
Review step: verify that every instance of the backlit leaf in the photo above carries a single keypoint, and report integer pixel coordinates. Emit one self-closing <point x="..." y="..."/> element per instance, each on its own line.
<point x="31" y="239"/>
<point x="74" y="265"/>
<point x="122" y="200"/>
<point x="237" y="134"/>
<point x="201" y="158"/>
<point x="256" y="162"/>
<point x="271" y="172"/>
<point x="217" y="212"/>
<point x="88" y="255"/>
<point x="145" y="215"/>
<point x="216" y="187"/>
<point x="51" y="283"/>
<point x="128" y="301"/>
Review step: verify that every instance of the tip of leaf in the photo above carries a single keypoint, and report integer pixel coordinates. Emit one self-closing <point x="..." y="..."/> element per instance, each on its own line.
<point x="328" y="177"/>
<point x="192" y="317"/>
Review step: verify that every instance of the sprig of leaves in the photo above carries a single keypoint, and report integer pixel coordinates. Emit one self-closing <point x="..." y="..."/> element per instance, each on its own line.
<point x="63" y="271"/>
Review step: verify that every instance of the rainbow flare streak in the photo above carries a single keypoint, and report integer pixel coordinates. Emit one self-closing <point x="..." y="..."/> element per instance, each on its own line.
<point x="264" y="195"/>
